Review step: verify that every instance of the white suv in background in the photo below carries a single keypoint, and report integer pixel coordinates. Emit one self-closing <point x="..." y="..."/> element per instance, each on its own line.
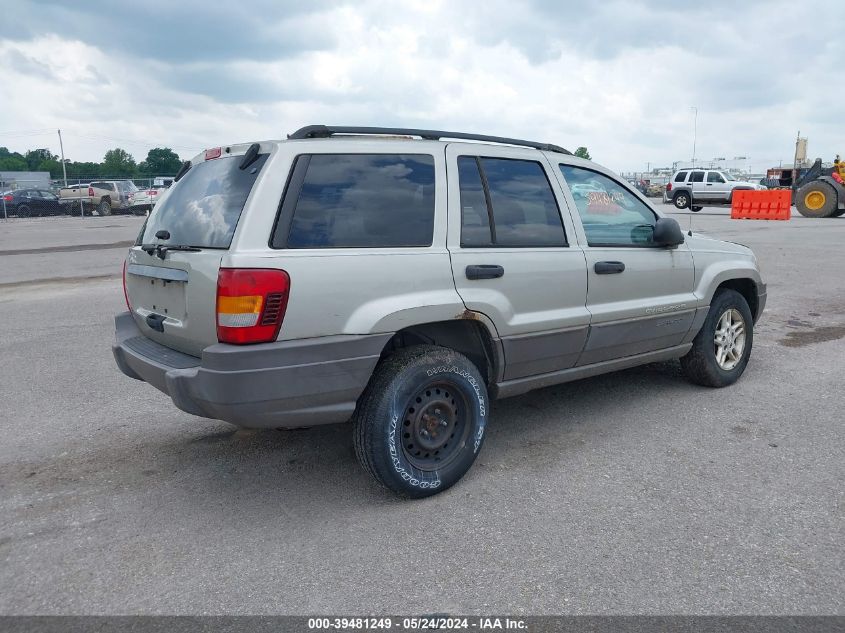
<point x="695" y="187"/>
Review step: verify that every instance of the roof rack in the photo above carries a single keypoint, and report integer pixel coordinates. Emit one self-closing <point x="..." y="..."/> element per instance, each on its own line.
<point x="325" y="131"/>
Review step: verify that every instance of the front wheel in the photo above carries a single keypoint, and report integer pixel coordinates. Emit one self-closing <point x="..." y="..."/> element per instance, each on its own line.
<point x="420" y="423"/>
<point x="721" y="349"/>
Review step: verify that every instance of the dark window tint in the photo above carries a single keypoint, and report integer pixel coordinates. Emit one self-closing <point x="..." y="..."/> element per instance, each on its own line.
<point x="205" y="205"/>
<point x="524" y="209"/>
<point x="103" y="185"/>
<point x="475" y="220"/>
<point x="697" y="176"/>
<point x="714" y="176"/>
<point x="363" y="200"/>
<point x="681" y="176"/>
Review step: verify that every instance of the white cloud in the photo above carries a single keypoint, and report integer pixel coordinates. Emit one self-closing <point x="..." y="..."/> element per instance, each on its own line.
<point x="617" y="77"/>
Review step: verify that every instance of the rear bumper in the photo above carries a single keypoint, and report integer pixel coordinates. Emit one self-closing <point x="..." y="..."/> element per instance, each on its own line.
<point x="272" y="385"/>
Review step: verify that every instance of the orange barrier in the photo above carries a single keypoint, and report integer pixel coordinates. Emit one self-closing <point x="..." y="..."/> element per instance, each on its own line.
<point x="772" y="204"/>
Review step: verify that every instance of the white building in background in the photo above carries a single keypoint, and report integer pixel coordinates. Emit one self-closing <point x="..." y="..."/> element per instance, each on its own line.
<point x="24" y="180"/>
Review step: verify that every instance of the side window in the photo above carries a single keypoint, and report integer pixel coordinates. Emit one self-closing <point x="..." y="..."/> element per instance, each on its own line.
<point x="697" y="176"/>
<point x="360" y="200"/>
<point x="681" y="176"/>
<point x="516" y="195"/>
<point x="475" y="218"/>
<point x="714" y="176"/>
<point x="611" y="215"/>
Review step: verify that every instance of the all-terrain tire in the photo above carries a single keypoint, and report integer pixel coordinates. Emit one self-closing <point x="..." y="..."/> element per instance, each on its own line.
<point x="700" y="364"/>
<point x="681" y="200"/>
<point x="420" y="423"/>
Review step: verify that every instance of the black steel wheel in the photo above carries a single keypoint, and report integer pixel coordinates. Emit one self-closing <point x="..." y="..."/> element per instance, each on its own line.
<point x="420" y="423"/>
<point x="435" y="425"/>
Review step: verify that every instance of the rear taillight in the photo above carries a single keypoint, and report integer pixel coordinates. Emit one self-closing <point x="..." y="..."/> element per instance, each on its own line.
<point x="90" y="192"/>
<point x="213" y="153"/>
<point x="668" y="186"/>
<point x="251" y="304"/>
<point x="7" y="198"/>
<point x="125" y="293"/>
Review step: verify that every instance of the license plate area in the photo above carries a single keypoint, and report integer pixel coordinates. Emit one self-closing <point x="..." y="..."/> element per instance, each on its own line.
<point x="158" y="291"/>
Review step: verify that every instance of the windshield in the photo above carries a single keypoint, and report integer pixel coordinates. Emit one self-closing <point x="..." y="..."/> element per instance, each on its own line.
<point x="204" y="207"/>
<point x="728" y="176"/>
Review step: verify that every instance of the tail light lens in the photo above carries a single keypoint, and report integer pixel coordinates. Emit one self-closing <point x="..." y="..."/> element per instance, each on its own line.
<point x="7" y="198"/>
<point x="90" y="192"/>
<point x="125" y="293"/>
<point x="215" y="152"/>
<point x="668" y="186"/>
<point x="251" y="304"/>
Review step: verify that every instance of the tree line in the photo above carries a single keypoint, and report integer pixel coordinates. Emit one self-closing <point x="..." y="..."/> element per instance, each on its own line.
<point x="117" y="162"/>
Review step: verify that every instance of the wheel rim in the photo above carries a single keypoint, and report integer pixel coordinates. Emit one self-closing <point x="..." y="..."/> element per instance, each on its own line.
<point x="815" y="200"/>
<point x="681" y="201"/>
<point x="729" y="339"/>
<point x="23" y="212"/>
<point x="435" y="427"/>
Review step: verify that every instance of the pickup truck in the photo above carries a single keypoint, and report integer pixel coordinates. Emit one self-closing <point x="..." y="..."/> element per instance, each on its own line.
<point x="102" y="196"/>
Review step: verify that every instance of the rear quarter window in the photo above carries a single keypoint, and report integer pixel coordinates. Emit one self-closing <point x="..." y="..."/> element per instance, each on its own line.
<point x="359" y="201"/>
<point x="204" y="207"/>
<point x="681" y="176"/>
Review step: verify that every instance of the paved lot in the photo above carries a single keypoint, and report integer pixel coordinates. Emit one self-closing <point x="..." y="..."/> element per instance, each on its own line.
<point x="629" y="493"/>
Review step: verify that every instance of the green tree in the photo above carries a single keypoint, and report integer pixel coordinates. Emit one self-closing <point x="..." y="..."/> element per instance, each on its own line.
<point x="35" y="157"/>
<point x="13" y="162"/>
<point x="161" y="161"/>
<point x="582" y="152"/>
<point x="83" y="170"/>
<point x="118" y="162"/>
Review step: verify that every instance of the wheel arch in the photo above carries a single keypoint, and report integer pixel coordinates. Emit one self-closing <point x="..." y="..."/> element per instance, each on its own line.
<point x="745" y="286"/>
<point x="470" y="335"/>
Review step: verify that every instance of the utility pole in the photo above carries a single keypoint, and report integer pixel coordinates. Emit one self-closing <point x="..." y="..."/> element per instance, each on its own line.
<point x="62" y="148"/>
<point x="694" y="132"/>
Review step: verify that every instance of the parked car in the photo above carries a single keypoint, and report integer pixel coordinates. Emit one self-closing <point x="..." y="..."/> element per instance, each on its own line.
<point x="145" y="199"/>
<point x="403" y="283"/>
<point x="26" y="203"/>
<point x="694" y="188"/>
<point x="102" y="196"/>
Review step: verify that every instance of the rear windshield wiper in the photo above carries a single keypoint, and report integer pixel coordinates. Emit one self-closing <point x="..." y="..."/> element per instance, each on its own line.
<point x="160" y="250"/>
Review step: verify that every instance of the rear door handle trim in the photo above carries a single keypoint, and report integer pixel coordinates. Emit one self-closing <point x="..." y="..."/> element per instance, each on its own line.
<point x="608" y="268"/>
<point x="484" y="271"/>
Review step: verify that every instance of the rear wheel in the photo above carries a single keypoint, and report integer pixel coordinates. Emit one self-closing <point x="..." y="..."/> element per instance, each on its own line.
<point x="24" y="211"/>
<point x="816" y="200"/>
<point x="420" y="423"/>
<point x="104" y="208"/>
<point x="681" y="200"/>
<point x="721" y="349"/>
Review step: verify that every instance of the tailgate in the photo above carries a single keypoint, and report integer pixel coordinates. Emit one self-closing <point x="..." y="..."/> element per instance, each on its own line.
<point x="173" y="300"/>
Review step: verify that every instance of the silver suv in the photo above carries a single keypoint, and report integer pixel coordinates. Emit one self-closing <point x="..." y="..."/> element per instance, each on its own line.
<point x="694" y="188"/>
<point x="402" y="279"/>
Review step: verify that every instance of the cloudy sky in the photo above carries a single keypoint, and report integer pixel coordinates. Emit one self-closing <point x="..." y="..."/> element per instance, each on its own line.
<point x="618" y="77"/>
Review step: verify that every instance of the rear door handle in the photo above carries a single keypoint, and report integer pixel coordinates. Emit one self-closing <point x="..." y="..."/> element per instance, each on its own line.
<point x="608" y="268"/>
<point x="484" y="271"/>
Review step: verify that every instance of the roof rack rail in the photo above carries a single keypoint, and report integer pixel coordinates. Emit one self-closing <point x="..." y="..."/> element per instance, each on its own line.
<point x="325" y="131"/>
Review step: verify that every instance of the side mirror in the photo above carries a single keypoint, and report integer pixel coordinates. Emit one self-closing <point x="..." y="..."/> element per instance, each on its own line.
<point x="667" y="232"/>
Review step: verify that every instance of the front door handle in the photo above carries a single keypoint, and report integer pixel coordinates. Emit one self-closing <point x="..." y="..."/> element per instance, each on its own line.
<point x="484" y="271"/>
<point x="608" y="268"/>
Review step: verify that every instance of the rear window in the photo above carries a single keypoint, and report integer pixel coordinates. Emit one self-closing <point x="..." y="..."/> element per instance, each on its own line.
<point x="205" y="205"/>
<point x="358" y="200"/>
<point x="681" y="176"/>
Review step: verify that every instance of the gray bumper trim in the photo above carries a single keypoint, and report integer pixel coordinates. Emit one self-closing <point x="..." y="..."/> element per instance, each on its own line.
<point x="271" y="385"/>
<point x="762" y="294"/>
